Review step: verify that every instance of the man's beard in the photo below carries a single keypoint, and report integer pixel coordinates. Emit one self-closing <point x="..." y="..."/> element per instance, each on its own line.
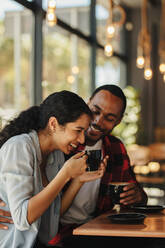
<point x="91" y="141"/>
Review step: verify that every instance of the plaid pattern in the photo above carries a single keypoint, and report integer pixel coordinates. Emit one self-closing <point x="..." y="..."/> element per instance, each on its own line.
<point x="118" y="170"/>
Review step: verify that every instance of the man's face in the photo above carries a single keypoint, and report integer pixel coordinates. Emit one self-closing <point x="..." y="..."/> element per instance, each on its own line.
<point x="106" y="109"/>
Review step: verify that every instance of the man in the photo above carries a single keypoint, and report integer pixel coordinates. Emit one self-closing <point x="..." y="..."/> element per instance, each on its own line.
<point x="108" y="104"/>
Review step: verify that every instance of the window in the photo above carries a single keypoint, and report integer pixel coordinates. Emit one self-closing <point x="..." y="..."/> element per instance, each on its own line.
<point x="110" y="70"/>
<point x="65" y="62"/>
<point x="15" y="63"/>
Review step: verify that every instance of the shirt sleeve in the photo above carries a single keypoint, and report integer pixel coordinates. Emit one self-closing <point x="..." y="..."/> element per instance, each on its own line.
<point x="17" y="173"/>
<point x="127" y="173"/>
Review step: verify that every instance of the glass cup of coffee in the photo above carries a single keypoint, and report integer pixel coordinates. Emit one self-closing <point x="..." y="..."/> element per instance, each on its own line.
<point x="115" y="189"/>
<point x="93" y="160"/>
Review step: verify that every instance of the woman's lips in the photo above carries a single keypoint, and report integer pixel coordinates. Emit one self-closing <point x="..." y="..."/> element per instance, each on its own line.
<point x="72" y="147"/>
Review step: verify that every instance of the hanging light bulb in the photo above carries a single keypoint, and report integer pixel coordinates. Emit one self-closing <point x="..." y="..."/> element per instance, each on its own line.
<point x="162" y="68"/>
<point x="164" y="77"/>
<point x="50" y="15"/>
<point x="110" y="31"/>
<point x="51" y="19"/>
<point x="140" y="62"/>
<point x="148" y="73"/>
<point x="108" y="50"/>
<point x="52" y="4"/>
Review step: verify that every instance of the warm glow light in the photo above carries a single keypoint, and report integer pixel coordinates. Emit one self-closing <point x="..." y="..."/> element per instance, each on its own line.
<point x="148" y="74"/>
<point x="108" y="50"/>
<point x="140" y="62"/>
<point x="154" y="166"/>
<point x="52" y="4"/>
<point x="70" y="79"/>
<point x="110" y="31"/>
<point x="164" y="78"/>
<point x="145" y="169"/>
<point x="50" y="15"/>
<point x="162" y="68"/>
<point x="137" y="169"/>
<point x="51" y="18"/>
<point x="75" y="69"/>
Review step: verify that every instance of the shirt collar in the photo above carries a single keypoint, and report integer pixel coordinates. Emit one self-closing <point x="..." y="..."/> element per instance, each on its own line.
<point x="34" y="136"/>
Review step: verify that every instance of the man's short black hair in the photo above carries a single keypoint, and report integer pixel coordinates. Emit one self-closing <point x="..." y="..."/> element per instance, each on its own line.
<point x="114" y="90"/>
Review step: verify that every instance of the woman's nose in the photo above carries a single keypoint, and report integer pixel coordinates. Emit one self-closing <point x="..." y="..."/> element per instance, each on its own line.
<point x="81" y="138"/>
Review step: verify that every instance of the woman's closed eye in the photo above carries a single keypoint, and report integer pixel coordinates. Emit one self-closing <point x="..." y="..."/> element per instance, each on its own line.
<point x="78" y="131"/>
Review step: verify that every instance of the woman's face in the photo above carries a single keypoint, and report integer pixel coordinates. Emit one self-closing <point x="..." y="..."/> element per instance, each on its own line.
<point x="68" y="137"/>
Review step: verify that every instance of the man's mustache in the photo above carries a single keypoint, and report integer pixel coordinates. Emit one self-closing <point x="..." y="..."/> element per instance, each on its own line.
<point x="98" y="128"/>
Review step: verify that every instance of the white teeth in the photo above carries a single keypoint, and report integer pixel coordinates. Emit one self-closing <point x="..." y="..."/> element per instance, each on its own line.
<point x="95" y="129"/>
<point x="73" y="145"/>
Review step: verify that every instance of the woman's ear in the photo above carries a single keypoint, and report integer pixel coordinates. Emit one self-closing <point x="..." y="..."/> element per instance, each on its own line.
<point x="52" y="123"/>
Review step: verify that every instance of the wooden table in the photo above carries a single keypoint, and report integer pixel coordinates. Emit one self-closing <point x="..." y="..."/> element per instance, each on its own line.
<point x="154" y="226"/>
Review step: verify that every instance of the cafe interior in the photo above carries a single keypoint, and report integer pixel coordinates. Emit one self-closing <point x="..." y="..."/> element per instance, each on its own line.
<point x="49" y="45"/>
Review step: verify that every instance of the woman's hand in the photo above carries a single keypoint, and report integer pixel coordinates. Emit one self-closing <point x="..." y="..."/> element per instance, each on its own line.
<point x="76" y="165"/>
<point x="3" y="215"/>
<point x="88" y="176"/>
<point x="78" y="181"/>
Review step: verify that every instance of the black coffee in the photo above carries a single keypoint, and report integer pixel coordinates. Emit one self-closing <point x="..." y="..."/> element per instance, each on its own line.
<point x="93" y="160"/>
<point x="115" y="189"/>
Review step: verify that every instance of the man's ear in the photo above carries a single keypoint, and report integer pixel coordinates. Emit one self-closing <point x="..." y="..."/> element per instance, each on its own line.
<point x="52" y="123"/>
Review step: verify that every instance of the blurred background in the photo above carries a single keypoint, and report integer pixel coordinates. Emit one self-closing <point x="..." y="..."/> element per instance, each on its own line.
<point x="48" y="45"/>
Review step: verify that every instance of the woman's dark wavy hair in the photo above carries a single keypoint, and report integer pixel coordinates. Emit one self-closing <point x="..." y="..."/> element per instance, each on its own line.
<point x="114" y="90"/>
<point x="66" y="106"/>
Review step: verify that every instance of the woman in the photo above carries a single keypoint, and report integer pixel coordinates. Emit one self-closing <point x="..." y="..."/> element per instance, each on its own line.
<point x="33" y="172"/>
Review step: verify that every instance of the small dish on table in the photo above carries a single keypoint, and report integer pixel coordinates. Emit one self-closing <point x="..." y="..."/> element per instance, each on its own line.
<point x="127" y="218"/>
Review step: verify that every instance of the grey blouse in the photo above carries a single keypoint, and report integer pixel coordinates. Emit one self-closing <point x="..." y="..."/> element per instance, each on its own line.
<point x="20" y="179"/>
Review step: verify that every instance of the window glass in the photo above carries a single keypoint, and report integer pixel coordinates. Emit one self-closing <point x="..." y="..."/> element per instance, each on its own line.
<point x="110" y="70"/>
<point x="65" y="62"/>
<point x="15" y="63"/>
<point x="74" y="13"/>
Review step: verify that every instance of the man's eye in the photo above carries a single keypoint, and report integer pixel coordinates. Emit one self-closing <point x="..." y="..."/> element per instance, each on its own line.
<point x="110" y="120"/>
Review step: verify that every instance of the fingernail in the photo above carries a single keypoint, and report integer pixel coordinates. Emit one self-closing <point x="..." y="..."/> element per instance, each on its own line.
<point x="2" y="204"/>
<point x="5" y="227"/>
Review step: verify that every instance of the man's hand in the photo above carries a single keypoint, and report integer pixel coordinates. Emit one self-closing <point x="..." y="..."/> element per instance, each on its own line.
<point x="133" y="194"/>
<point x="3" y="215"/>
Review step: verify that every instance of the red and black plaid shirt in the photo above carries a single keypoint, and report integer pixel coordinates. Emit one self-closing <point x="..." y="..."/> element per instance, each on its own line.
<point x="118" y="170"/>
